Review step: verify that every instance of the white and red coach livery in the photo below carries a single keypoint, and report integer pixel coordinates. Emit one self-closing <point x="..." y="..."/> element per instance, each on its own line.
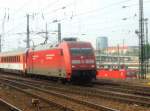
<point x="70" y="60"/>
<point x="13" y="61"/>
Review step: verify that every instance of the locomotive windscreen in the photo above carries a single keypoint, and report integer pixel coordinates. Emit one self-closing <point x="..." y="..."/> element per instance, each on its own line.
<point x="81" y="51"/>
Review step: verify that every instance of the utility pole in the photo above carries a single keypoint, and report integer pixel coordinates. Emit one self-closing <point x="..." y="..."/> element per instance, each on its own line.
<point x="147" y="44"/>
<point x="0" y="43"/>
<point x="28" y="32"/>
<point x="141" y="41"/>
<point x="46" y="35"/>
<point x="59" y="32"/>
<point x="123" y="51"/>
<point x="118" y="50"/>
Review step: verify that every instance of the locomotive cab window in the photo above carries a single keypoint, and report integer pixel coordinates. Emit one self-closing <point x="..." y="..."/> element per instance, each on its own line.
<point x="75" y="51"/>
<point x="87" y="51"/>
<point x="81" y="51"/>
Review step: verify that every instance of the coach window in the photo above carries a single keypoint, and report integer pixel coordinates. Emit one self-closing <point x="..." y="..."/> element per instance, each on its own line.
<point x="19" y="58"/>
<point x="12" y="58"/>
<point x="15" y="58"/>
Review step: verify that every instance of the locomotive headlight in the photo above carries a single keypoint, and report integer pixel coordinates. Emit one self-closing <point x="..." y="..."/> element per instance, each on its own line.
<point x="73" y="66"/>
<point x="92" y="66"/>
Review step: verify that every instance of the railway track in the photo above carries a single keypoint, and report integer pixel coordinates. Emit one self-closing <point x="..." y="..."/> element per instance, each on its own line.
<point x="65" y="101"/>
<point x="92" y="92"/>
<point x="123" y="87"/>
<point x="7" y="106"/>
<point x="125" y="84"/>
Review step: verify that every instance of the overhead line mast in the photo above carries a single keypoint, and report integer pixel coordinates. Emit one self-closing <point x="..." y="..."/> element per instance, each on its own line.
<point x="28" y="32"/>
<point x="141" y="42"/>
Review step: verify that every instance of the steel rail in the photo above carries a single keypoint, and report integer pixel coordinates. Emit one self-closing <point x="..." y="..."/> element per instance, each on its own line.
<point x="10" y="106"/>
<point x="142" y="100"/>
<point x="83" y="102"/>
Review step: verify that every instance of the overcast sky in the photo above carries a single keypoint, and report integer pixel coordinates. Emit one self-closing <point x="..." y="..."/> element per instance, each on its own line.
<point x="85" y="19"/>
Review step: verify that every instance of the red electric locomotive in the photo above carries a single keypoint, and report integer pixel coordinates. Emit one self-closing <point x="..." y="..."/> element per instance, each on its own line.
<point x="70" y="60"/>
